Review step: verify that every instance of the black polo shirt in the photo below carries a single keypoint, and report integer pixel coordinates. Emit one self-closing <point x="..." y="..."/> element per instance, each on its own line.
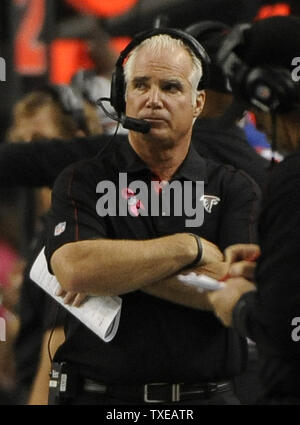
<point x="229" y="145"/>
<point x="270" y="316"/>
<point x="157" y="341"/>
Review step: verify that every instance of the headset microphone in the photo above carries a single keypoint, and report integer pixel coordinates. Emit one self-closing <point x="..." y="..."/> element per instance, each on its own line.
<point x="141" y="126"/>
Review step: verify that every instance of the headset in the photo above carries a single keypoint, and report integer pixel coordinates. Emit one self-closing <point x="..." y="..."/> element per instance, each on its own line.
<point x="268" y="89"/>
<point x="118" y="86"/>
<point x="210" y="33"/>
<point x="71" y="103"/>
<point x="203" y="29"/>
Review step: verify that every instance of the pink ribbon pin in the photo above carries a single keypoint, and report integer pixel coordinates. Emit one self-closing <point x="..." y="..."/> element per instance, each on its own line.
<point x="134" y="204"/>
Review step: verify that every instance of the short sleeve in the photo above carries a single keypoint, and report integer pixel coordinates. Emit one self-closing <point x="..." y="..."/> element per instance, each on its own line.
<point x="242" y="203"/>
<point x="73" y="215"/>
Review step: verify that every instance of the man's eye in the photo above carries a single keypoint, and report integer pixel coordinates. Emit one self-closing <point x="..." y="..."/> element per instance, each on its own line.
<point x="140" y="85"/>
<point x="171" y="87"/>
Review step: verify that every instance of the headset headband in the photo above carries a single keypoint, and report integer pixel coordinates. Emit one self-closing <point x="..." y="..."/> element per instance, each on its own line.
<point x="187" y="39"/>
<point x="206" y="27"/>
<point x="117" y="91"/>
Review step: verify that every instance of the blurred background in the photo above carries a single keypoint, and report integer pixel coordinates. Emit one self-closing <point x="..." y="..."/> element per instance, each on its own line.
<point x="48" y="40"/>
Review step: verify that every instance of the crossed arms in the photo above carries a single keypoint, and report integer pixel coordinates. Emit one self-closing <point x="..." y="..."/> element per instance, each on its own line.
<point x="114" y="267"/>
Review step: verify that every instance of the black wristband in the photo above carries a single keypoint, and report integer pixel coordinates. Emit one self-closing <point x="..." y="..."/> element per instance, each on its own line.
<point x="199" y="254"/>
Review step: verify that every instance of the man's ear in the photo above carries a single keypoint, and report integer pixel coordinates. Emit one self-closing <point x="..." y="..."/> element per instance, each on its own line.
<point x="200" y="100"/>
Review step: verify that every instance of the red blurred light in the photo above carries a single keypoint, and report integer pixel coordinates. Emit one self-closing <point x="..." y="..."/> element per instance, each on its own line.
<point x="105" y="8"/>
<point x="278" y="9"/>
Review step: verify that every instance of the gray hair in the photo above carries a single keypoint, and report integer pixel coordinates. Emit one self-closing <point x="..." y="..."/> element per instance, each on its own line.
<point x="161" y="42"/>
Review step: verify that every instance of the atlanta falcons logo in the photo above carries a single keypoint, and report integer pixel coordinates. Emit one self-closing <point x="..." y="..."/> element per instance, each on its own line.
<point x="209" y="201"/>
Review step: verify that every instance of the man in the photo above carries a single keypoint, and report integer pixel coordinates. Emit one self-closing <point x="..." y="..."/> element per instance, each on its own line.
<point x="51" y="111"/>
<point x="219" y="136"/>
<point x="167" y="333"/>
<point x="270" y="314"/>
<point x="215" y="135"/>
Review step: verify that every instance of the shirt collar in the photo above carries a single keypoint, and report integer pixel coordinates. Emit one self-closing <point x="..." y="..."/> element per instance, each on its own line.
<point x="193" y="167"/>
<point x="129" y="160"/>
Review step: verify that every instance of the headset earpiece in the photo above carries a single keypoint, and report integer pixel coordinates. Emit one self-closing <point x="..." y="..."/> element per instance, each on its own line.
<point x="267" y="89"/>
<point x="117" y="90"/>
<point x="118" y="86"/>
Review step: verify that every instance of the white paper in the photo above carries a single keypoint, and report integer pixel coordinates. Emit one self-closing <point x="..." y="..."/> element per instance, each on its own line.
<point x="201" y="281"/>
<point x="100" y="314"/>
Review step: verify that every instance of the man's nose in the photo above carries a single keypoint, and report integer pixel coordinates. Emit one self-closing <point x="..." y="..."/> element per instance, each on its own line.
<point x="154" y="99"/>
